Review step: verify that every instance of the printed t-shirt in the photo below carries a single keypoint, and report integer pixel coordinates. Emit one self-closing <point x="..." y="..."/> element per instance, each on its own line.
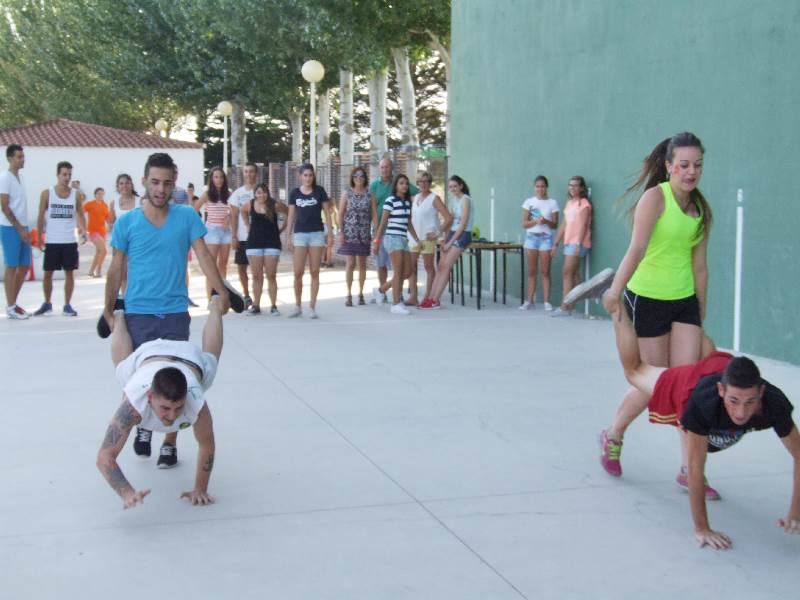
<point x="98" y="215"/>
<point x="538" y="208"/>
<point x="238" y="199"/>
<point x="382" y="191"/>
<point x="157" y="258"/>
<point x="399" y="214"/>
<point x="577" y="215"/>
<point x="308" y="213"/>
<point x="705" y="414"/>
<point x="17" y="199"/>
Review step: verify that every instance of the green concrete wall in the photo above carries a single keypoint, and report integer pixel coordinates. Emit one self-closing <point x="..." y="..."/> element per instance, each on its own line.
<point x="580" y="87"/>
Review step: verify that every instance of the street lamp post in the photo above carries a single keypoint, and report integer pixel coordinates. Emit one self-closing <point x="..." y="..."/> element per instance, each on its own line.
<point x="225" y="108"/>
<point x="313" y="72"/>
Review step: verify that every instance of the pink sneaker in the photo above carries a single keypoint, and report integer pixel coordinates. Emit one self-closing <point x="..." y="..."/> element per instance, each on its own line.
<point x="683" y="482"/>
<point x="609" y="455"/>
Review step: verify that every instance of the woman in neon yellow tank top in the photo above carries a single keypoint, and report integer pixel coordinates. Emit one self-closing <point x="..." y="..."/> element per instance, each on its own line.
<point x="663" y="276"/>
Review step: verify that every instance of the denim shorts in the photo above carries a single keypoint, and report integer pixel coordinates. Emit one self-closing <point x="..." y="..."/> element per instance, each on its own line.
<point x="575" y="250"/>
<point x="395" y="243"/>
<point x="146" y="328"/>
<point x="218" y="235"/>
<point x="464" y="240"/>
<point x="263" y="252"/>
<point x="382" y="260"/>
<point x="15" y="253"/>
<point x="314" y="239"/>
<point x="539" y="241"/>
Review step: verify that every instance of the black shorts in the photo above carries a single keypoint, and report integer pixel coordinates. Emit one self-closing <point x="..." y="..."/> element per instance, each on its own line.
<point x="61" y="256"/>
<point x="654" y="318"/>
<point x="240" y="257"/>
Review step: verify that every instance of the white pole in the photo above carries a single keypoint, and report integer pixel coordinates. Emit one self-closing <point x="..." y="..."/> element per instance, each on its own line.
<point x="313" y="141"/>
<point x="586" y="272"/>
<point x="225" y="145"/>
<point x="492" y="238"/>
<point x="737" y="282"/>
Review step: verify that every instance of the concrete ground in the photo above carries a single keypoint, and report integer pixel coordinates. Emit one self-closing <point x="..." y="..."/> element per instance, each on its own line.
<point x="448" y="454"/>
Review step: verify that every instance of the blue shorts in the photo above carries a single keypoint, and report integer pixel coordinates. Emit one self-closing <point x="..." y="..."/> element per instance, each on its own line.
<point x="463" y="241"/>
<point x="146" y="328"/>
<point x="575" y="250"/>
<point x="395" y="243"/>
<point x="382" y="260"/>
<point x="315" y="239"/>
<point x="542" y="242"/>
<point x="218" y="235"/>
<point x="263" y="252"/>
<point x="15" y="253"/>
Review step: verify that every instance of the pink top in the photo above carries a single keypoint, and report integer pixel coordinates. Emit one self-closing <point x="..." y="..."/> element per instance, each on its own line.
<point x="577" y="215"/>
<point x="217" y="214"/>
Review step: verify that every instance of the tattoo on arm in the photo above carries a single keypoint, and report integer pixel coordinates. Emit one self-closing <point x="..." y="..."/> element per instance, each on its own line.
<point x="209" y="464"/>
<point x="113" y="435"/>
<point x="116" y="479"/>
<point x="127" y="416"/>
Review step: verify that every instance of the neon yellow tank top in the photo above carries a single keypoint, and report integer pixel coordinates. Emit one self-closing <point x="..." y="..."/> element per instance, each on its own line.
<point x="665" y="272"/>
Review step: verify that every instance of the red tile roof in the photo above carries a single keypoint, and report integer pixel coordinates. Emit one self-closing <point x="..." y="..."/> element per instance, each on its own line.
<point x="63" y="132"/>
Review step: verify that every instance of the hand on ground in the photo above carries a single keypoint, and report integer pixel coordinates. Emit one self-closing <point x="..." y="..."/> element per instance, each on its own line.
<point x="715" y="539"/>
<point x="198" y="498"/>
<point x="132" y="498"/>
<point x="789" y="525"/>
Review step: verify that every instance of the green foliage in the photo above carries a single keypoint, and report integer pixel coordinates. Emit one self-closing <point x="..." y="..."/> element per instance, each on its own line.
<point x="125" y="63"/>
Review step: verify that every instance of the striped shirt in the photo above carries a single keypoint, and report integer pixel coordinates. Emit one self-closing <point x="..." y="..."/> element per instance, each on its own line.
<point x="399" y="214"/>
<point x="217" y="214"/>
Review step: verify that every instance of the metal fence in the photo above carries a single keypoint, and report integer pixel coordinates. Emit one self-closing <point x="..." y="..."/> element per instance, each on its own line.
<point x="282" y="178"/>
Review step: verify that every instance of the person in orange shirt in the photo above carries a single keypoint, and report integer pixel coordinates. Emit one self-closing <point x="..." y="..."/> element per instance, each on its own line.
<point x="576" y="233"/>
<point x="97" y="211"/>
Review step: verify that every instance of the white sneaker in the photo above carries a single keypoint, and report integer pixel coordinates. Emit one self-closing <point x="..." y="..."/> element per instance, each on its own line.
<point x="399" y="309"/>
<point x="377" y="296"/>
<point x="548" y="307"/>
<point x="15" y="312"/>
<point x="313" y="314"/>
<point x="527" y="306"/>
<point x="560" y="312"/>
<point x="296" y="312"/>
<point x="591" y="288"/>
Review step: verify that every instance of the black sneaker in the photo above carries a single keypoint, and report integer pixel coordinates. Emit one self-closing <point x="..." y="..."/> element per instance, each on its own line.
<point x="235" y="298"/>
<point x="141" y="443"/>
<point x="103" y="328"/>
<point x="168" y="457"/>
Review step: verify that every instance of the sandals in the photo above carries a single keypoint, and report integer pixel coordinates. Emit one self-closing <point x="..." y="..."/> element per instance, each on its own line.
<point x="349" y="301"/>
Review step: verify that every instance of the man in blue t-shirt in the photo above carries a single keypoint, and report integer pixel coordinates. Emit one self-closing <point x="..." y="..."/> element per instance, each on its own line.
<point x="155" y="240"/>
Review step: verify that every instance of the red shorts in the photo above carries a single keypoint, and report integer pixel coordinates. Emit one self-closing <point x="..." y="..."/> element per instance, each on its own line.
<point x="675" y="385"/>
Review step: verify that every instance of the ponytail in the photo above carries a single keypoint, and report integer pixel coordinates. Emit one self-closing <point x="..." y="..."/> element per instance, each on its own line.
<point x="654" y="171"/>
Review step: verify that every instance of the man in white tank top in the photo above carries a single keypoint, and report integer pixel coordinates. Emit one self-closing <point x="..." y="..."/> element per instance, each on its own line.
<point x="164" y="382"/>
<point x="60" y="210"/>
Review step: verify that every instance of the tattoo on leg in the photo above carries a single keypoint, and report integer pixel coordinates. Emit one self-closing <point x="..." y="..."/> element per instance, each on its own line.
<point x="209" y="463"/>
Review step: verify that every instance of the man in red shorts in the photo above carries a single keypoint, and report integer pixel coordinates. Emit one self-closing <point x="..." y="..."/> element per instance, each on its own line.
<point x="716" y="401"/>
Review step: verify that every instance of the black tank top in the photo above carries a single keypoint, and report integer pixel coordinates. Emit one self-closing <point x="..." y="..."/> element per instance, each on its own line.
<point x="263" y="232"/>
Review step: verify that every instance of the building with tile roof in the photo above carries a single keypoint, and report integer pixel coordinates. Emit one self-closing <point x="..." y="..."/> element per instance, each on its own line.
<point x="98" y="154"/>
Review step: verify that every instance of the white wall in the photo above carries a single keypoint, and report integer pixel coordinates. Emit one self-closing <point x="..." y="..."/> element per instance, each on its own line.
<point x="99" y="167"/>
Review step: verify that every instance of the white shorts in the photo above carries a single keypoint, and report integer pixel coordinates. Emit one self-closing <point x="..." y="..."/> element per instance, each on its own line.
<point x="184" y="351"/>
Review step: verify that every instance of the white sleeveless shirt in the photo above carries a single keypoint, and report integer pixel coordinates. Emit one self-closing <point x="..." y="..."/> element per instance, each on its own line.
<point x="60" y="218"/>
<point x="424" y="217"/>
<point x="119" y="211"/>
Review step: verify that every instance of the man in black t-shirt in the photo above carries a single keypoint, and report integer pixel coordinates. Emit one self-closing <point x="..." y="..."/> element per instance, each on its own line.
<point x="717" y="401"/>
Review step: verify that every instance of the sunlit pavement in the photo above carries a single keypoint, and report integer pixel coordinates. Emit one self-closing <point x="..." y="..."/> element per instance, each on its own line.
<point x="446" y="454"/>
